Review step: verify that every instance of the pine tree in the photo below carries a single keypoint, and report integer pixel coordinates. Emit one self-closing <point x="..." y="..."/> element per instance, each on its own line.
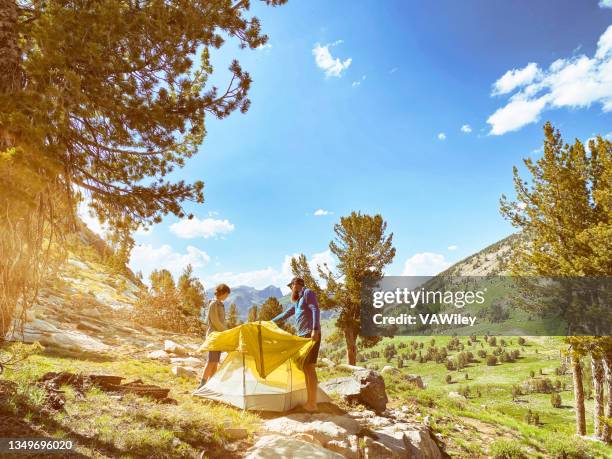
<point x="566" y="219"/>
<point x="269" y="309"/>
<point x="191" y="292"/>
<point x="363" y="249"/>
<point x="105" y="99"/>
<point x="232" y="317"/>
<point x="252" y="314"/>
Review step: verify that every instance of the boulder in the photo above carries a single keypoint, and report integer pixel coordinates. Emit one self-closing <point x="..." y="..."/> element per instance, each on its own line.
<point x="406" y="440"/>
<point x="185" y="372"/>
<point x="415" y="380"/>
<point x="389" y="370"/>
<point x="376" y="450"/>
<point x="159" y="355"/>
<point x="363" y="386"/>
<point x="174" y="348"/>
<point x="275" y="446"/>
<point x="421" y="445"/>
<point x="187" y="361"/>
<point x="323" y="427"/>
<point x="327" y="362"/>
<point x="349" y="448"/>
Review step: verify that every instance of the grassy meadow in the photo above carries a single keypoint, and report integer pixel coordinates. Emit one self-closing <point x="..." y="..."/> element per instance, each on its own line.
<point x="475" y="412"/>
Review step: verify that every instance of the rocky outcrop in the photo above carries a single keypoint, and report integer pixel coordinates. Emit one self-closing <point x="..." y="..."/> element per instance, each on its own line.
<point x="275" y="446"/>
<point x="356" y="434"/>
<point x="362" y="386"/>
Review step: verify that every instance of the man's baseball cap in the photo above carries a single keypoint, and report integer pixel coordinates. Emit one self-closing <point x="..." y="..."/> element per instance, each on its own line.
<point x="298" y="280"/>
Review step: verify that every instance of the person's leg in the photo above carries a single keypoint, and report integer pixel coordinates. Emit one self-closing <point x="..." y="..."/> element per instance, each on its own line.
<point x="311" y="386"/>
<point x="211" y="366"/>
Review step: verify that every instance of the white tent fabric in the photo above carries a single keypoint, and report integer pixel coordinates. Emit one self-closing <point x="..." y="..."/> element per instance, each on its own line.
<point x="237" y="383"/>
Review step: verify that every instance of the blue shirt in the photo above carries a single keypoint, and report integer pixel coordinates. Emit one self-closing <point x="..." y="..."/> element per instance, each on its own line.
<point x="306" y="311"/>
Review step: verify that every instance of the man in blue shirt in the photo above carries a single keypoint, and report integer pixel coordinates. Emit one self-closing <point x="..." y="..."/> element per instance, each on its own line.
<point x="305" y="308"/>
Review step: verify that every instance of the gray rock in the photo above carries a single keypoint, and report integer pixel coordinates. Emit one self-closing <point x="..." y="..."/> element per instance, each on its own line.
<point x="159" y="355"/>
<point x="376" y="450"/>
<point x="406" y="440"/>
<point x="187" y="361"/>
<point x="389" y="370"/>
<point x="416" y="380"/>
<point x="185" y="372"/>
<point x="323" y="427"/>
<point x="174" y="348"/>
<point x="363" y="386"/>
<point x="421" y="445"/>
<point x="277" y="446"/>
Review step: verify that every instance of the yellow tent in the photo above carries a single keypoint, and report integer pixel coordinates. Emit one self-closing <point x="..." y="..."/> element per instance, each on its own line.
<point x="263" y="368"/>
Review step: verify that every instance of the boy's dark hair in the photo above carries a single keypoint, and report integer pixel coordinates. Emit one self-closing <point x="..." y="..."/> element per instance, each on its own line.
<point x="222" y="289"/>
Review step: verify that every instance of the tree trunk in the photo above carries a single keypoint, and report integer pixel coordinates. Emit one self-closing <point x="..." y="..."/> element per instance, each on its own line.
<point x="607" y="429"/>
<point x="10" y="56"/>
<point x="597" y="369"/>
<point x="351" y="346"/>
<point x="578" y="395"/>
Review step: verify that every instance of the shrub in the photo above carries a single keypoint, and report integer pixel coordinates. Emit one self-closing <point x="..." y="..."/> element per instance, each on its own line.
<point x="506" y="449"/>
<point x="565" y="448"/>
<point x="448" y="379"/>
<point x="482" y="353"/>
<point x="540" y="385"/>
<point x="521" y="341"/>
<point x="555" y="400"/>
<point x="491" y="361"/>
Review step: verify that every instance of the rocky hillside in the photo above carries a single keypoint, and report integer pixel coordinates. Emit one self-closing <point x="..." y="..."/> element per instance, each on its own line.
<point x="87" y="306"/>
<point x="491" y="260"/>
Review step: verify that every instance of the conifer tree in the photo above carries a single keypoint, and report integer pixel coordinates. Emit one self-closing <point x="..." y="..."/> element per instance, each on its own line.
<point x="232" y="316"/>
<point x="105" y="99"/>
<point x="253" y="316"/>
<point x="363" y="249"/>
<point x="565" y="215"/>
<point x="270" y="309"/>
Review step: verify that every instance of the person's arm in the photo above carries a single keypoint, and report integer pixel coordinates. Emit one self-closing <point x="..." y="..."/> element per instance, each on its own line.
<point x="285" y="314"/>
<point x="217" y="317"/>
<point x="316" y="314"/>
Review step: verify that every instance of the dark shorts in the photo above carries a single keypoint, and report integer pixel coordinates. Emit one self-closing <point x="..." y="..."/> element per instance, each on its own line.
<point x="214" y="356"/>
<point x="313" y="355"/>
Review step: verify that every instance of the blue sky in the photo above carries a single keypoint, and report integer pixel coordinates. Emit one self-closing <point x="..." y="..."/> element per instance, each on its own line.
<point x="359" y="105"/>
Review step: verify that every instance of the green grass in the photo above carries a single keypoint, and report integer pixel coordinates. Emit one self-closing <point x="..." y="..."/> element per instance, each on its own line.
<point x="493" y="415"/>
<point x="127" y="426"/>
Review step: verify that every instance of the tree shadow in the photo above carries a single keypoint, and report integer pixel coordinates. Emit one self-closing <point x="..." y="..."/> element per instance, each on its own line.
<point x="88" y="356"/>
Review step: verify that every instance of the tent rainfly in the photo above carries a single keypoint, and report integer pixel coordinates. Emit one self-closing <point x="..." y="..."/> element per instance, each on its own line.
<point x="263" y="368"/>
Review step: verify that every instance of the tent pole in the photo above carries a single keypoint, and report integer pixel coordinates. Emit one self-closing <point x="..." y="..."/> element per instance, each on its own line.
<point x="243" y="380"/>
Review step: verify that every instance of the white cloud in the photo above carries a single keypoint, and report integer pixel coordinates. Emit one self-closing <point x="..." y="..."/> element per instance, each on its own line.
<point x="326" y="62"/>
<point x="452" y="247"/>
<point x="393" y="70"/>
<point x="425" y="264"/>
<point x="466" y="128"/>
<point x="91" y="221"/>
<point x="358" y="82"/>
<point x="605" y="3"/>
<point x="147" y="258"/>
<point x="576" y="82"/>
<point x="515" y="115"/>
<point x="264" y="47"/>
<point x="264" y="277"/>
<point x="441" y="136"/>
<point x="516" y="78"/>
<point x="321" y="212"/>
<point x="206" y="228"/>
